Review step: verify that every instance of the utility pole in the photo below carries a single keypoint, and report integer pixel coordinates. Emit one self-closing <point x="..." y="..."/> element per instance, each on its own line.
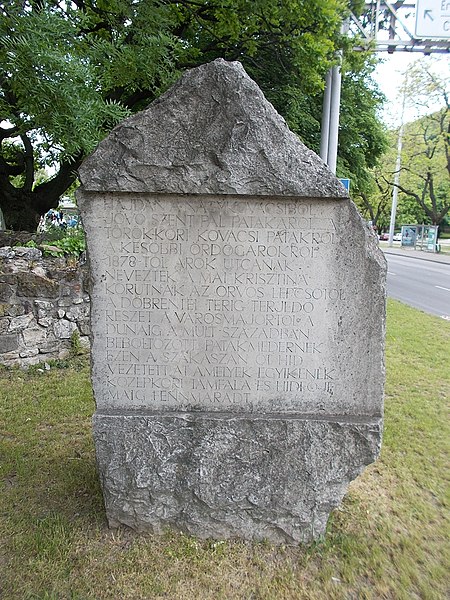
<point x="398" y="164"/>
<point x="330" y="118"/>
<point x="325" y="128"/>
<point x="330" y="112"/>
<point x="396" y="182"/>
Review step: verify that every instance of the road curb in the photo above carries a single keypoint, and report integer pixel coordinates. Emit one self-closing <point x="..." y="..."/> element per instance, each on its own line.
<point x="441" y="261"/>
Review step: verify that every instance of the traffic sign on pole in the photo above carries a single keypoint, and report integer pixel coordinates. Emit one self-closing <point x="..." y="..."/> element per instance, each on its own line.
<point x="346" y="183"/>
<point x="433" y="19"/>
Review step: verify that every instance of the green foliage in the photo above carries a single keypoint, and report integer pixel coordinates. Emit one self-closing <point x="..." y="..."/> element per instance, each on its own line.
<point x="424" y="186"/>
<point x="75" y="345"/>
<point x="30" y="244"/>
<point x="374" y="200"/>
<point x="73" y="243"/>
<point x="70" y="75"/>
<point x="69" y="71"/>
<point x="425" y="175"/>
<point x="362" y="136"/>
<point x="61" y="242"/>
<point x="409" y="211"/>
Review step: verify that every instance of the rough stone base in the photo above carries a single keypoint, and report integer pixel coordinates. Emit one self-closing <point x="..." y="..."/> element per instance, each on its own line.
<point x="268" y="477"/>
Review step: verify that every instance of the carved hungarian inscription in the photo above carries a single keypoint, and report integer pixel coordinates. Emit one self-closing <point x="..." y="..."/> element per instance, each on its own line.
<point x="215" y="304"/>
<point x="237" y="318"/>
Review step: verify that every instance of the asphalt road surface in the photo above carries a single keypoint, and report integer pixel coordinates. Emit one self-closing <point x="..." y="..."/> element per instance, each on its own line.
<point x="420" y="283"/>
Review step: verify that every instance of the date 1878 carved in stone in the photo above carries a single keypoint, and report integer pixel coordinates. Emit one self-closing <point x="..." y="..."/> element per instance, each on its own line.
<point x="237" y="319"/>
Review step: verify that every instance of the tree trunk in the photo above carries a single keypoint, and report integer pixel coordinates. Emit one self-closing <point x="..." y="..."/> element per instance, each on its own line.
<point x="23" y="209"/>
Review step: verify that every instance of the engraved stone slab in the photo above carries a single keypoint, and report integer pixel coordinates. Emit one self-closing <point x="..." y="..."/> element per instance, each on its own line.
<point x="237" y="319"/>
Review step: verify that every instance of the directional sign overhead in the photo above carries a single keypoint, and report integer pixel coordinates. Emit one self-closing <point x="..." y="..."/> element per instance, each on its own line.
<point x="433" y="19"/>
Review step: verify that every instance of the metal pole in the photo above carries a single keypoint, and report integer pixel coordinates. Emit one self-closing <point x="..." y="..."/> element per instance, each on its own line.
<point x="330" y="113"/>
<point x="334" y="118"/>
<point x="377" y="20"/>
<point x="396" y="182"/>
<point x="325" y="128"/>
<point x="398" y="164"/>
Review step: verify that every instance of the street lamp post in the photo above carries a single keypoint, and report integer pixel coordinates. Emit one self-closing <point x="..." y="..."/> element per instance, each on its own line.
<point x="398" y="164"/>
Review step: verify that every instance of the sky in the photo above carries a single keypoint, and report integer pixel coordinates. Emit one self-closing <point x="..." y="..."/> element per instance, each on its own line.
<point x="390" y="73"/>
<point x="389" y="76"/>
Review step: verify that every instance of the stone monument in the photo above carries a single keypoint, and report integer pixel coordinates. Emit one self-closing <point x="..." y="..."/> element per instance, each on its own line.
<point x="238" y="314"/>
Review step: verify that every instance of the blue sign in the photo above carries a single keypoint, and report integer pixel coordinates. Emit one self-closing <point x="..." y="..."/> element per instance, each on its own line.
<point x="345" y="183"/>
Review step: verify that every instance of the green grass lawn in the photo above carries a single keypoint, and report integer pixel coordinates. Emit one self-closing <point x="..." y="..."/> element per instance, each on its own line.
<point x="389" y="539"/>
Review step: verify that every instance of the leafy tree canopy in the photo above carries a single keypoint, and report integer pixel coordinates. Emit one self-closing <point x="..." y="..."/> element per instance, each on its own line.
<point x="424" y="177"/>
<point x="70" y="70"/>
<point x="425" y="171"/>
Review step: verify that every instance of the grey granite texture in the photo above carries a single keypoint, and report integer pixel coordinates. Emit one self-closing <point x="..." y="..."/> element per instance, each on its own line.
<point x="212" y="133"/>
<point x="315" y="307"/>
<point x="238" y="315"/>
<point x="267" y="477"/>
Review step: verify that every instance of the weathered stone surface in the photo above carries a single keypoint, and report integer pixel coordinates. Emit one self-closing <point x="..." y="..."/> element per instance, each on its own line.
<point x="271" y="477"/>
<point x="31" y="288"/>
<point x="6" y="252"/>
<point x="63" y="329"/>
<point x="51" y="343"/>
<point x="64" y="352"/>
<point x="37" y="269"/>
<point x="20" y="251"/>
<point x="15" y="310"/>
<point x="211" y="133"/>
<point x="33" y="254"/>
<point x="28" y="253"/>
<point x="19" y="265"/>
<point x="44" y="306"/>
<point x="6" y="276"/>
<point x="34" y="337"/>
<point x="9" y="358"/>
<point x="46" y="321"/>
<point x="33" y="285"/>
<point x="29" y="353"/>
<point x="11" y="310"/>
<point x="238" y="329"/>
<point x="22" y="322"/>
<point x="85" y="327"/>
<point x="5" y="292"/>
<point x="9" y="343"/>
<point x="75" y="313"/>
<point x="26" y="361"/>
<point x="85" y="342"/>
<point x="237" y="319"/>
<point x="65" y="301"/>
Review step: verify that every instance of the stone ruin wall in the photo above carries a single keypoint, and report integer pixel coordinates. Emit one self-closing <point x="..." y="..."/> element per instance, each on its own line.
<point x="43" y="301"/>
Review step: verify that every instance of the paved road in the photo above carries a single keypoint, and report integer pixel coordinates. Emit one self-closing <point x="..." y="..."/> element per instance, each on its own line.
<point x="420" y="283"/>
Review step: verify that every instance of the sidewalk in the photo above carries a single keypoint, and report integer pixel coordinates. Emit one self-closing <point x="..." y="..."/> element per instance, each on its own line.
<point x="419" y="254"/>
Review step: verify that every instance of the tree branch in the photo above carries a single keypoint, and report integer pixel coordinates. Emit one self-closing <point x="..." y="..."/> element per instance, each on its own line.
<point x="7" y="133"/>
<point x="56" y="186"/>
<point x="28" y="163"/>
